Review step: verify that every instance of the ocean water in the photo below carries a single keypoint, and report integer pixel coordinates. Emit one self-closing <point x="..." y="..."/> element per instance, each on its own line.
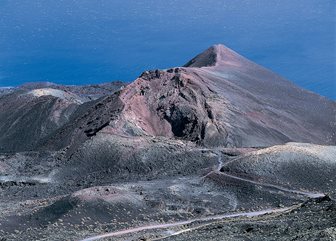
<point x="93" y="41"/>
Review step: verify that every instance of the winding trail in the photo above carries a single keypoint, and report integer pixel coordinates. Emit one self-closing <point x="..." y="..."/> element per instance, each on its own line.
<point x="304" y="193"/>
<point x="214" y="217"/>
<point x="190" y="221"/>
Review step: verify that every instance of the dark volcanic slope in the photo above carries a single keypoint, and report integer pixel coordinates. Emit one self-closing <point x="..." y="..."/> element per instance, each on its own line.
<point x="31" y="112"/>
<point x="27" y="116"/>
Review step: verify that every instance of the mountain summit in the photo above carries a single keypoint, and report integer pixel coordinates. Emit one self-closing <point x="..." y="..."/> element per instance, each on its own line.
<point x="222" y="98"/>
<point x="215" y="55"/>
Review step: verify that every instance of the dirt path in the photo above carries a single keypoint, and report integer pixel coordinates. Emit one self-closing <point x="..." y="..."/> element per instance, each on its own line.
<point x="304" y="193"/>
<point x="175" y="224"/>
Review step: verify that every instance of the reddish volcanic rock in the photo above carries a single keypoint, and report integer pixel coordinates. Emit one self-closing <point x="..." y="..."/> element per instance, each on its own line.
<point x="221" y="98"/>
<point x="169" y="103"/>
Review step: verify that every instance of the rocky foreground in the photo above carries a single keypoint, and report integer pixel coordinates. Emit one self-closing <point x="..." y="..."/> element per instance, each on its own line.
<point x="202" y="202"/>
<point x="220" y="149"/>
